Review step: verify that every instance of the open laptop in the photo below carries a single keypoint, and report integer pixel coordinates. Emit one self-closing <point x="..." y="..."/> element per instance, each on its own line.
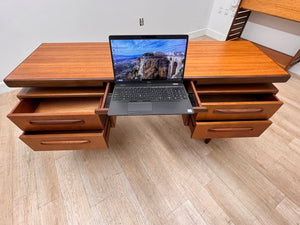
<point x="148" y="73"/>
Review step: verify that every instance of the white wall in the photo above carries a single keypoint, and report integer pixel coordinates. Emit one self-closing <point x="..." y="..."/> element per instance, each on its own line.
<point x="274" y="32"/>
<point x="26" y="24"/>
<point x="221" y="18"/>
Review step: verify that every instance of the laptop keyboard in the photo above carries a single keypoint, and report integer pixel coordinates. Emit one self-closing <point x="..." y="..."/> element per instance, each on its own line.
<point x="149" y="94"/>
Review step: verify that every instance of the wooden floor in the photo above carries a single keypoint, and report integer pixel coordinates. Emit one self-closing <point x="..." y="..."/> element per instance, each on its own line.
<point x="154" y="173"/>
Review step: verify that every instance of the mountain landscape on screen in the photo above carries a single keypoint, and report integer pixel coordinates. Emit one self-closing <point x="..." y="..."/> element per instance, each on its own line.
<point x="154" y="65"/>
<point x="148" y="59"/>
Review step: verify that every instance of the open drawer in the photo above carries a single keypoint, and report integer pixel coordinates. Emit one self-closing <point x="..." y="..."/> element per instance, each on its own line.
<point x="60" y="112"/>
<point x="236" y="106"/>
<point x="67" y="140"/>
<point x="57" y="114"/>
<point x="228" y="129"/>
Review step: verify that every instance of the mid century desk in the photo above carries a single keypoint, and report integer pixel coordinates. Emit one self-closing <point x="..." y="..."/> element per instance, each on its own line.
<point x="63" y="104"/>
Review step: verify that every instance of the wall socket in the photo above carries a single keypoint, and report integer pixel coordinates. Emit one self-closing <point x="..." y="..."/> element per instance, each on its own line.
<point x="141" y="21"/>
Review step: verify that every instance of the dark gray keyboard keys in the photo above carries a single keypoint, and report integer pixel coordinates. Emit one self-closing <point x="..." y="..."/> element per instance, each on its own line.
<point x="149" y="94"/>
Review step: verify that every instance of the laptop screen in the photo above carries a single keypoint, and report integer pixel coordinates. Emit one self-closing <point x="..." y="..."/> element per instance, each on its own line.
<point x="146" y="58"/>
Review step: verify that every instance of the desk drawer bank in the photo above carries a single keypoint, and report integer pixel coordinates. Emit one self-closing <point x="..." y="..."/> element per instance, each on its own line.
<point x="65" y="97"/>
<point x="63" y="118"/>
<point x="235" y="110"/>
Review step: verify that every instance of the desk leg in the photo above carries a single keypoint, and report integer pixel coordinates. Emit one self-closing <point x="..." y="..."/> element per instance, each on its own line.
<point x="207" y="140"/>
<point x="185" y="119"/>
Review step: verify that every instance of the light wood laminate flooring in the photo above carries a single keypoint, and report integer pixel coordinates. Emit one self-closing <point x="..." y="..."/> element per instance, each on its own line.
<point x="154" y="173"/>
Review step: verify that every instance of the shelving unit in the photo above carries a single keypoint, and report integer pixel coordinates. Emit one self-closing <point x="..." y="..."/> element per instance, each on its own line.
<point x="287" y="9"/>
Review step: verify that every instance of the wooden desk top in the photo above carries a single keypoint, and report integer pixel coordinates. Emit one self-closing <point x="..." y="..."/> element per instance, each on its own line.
<point x="89" y="64"/>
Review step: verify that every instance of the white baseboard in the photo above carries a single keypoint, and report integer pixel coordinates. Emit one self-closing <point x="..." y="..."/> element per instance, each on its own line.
<point x="4" y="88"/>
<point x="215" y="34"/>
<point x="295" y="69"/>
<point x="209" y="32"/>
<point x="197" y="33"/>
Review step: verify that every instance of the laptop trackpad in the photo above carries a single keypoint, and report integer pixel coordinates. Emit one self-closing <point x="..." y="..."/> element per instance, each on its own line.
<point x="139" y="106"/>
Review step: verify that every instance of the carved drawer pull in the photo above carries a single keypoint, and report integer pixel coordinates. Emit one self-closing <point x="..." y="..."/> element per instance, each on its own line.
<point x="237" y="111"/>
<point x="56" y="122"/>
<point x="70" y="142"/>
<point x="231" y="129"/>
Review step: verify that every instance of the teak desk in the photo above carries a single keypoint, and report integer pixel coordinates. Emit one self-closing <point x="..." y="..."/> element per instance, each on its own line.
<point x="65" y="98"/>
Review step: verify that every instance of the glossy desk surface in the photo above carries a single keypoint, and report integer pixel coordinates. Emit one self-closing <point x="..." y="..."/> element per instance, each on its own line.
<point x="87" y="64"/>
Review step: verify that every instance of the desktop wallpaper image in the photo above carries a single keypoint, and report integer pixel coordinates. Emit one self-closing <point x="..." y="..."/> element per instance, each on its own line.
<point x="137" y="60"/>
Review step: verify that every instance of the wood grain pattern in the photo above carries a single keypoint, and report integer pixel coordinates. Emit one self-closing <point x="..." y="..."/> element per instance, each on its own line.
<point x="154" y="173"/>
<point x="57" y="114"/>
<point x="227" y="129"/>
<point x="287" y="9"/>
<point x="279" y="57"/>
<point x="73" y="192"/>
<point x="223" y="60"/>
<point x="235" y="181"/>
<point x="295" y="59"/>
<point x="289" y="210"/>
<point x="67" y="105"/>
<point x="246" y="183"/>
<point x="237" y="109"/>
<point x="237" y="26"/>
<point x="65" y="65"/>
<point x="60" y="92"/>
<point x="198" y="107"/>
<point x="65" y="141"/>
<point x="49" y="196"/>
<point x="236" y="89"/>
<point x="89" y="64"/>
<point x="233" y="206"/>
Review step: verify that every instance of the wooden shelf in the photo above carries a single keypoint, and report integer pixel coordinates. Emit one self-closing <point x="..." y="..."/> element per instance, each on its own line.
<point x="236" y="89"/>
<point x="280" y="58"/>
<point x="67" y="105"/>
<point x="287" y="9"/>
<point x="36" y="92"/>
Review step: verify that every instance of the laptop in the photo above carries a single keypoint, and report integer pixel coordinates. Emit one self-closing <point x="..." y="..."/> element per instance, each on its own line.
<point x="148" y="73"/>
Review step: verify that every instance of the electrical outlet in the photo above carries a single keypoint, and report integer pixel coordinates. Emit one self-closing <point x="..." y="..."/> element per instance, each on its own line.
<point x="226" y="12"/>
<point x="220" y="10"/>
<point x="141" y="21"/>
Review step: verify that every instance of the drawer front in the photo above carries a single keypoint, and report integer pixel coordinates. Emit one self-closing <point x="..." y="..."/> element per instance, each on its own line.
<point x="61" y="122"/>
<point x="239" y="110"/>
<point x="27" y="119"/>
<point x="228" y="129"/>
<point x="65" y="141"/>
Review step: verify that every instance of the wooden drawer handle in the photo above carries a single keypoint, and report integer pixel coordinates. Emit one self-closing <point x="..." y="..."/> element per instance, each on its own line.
<point x="56" y="122"/>
<point x="237" y="111"/>
<point x="231" y="129"/>
<point x="70" y="142"/>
